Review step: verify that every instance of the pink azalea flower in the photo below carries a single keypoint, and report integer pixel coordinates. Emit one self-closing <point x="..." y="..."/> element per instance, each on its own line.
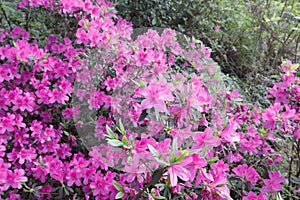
<point x="40" y="173"/>
<point x="99" y="185"/>
<point x="14" y="179"/>
<point x="206" y="138"/>
<point x="270" y="115"/>
<point x="200" y="98"/>
<point x="72" y="177"/>
<point x="58" y="96"/>
<point x="236" y="157"/>
<point x="220" y="167"/>
<point x="273" y="184"/>
<point x="7" y="123"/>
<point x="279" y="92"/>
<point x="27" y="154"/>
<point x="288" y="114"/>
<point x="285" y="67"/>
<point x="248" y="173"/>
<point x="46" y="192"/>
<point x="79" y="163"/>
<point x="197" y="163"/>
<point x="252" y="196"/>
<point x="143" y="58"/>
<point x="297" y="133"/>
<point x="13" y="196"/>
<point x="63" y="151"/>
<point x="205" y="51"/>
<point x="296" y="92"/>
<point x="179" y="170"/>
<point x="155" y="96"/>
<point x="229" y="134"/>
<point x="217" y="185"/>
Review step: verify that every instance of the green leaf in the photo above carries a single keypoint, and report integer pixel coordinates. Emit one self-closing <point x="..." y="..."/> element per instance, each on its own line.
<point x="41" y="161"/>
<point x="70" y="189"/>
<point x="66" y="191"/>
<point x="143" y="115"/>
<point x="293" y="67"/>
<point x="66" y="133"/>
<point x="119" y="195"/>
<point x="274" y="19"/>
<point x="181" y="28"/>
<point x="154" y="21"/>
<point x="157" y="174"/>
<point x="195" y="151"/>
<point x="262" y="131"/>
<point x="161" y="161"/>
<point x="152" y="150"/>
<point x="110" y="133"/>
<point x="116" y="149"/>
<point x="204" y="152"/>
<point x="124" y="140"/>
<point x="178" y="159"/>
<point x="295" y="180"/>
<point x="136" y="83"/>
<point x="142" y="83"/>
<point x="174" y="144"/>
<point x="115" y="143"/>
<point x="118" y="187"/>
<point x="278" y="196"/>
<point x="138" y="99"/>
<point x="157" y="197"/>
<point x="129" y="160"/>
<point x="212" y="160"/>
<point x="184" y="153"/>
<point x="60" y="193"/>
<point x="121" y="126"/>
<point x="131" y="139"/>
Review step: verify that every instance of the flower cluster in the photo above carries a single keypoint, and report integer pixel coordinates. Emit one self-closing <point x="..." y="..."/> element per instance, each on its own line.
<point x="104" y="116"/>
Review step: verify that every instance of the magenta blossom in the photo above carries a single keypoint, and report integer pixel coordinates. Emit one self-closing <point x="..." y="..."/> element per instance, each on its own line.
<point x="206" y="138"/>
<point x="155" y="96"/>
<point x="273" y="184"/>
<point x="270" y="115"/>
<point x="179" y="170"/>
<point x="247" y="173"/>
<point x="253" y="196"/>
<point x="14" y="179"/>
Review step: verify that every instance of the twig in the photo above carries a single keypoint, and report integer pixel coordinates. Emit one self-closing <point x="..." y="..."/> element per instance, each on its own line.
<point x="28" y="15"/>
<point x="5" y="16"/>
<point x="290" y="166"/>
<point x="285" y="4"/>
<point x="297" y="44"/>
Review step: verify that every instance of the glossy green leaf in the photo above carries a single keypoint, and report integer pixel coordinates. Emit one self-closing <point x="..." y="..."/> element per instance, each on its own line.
<point x="152" y="150"/>
<point x="119" y="195"/>
<point x="118" y="187"/>
<point x="115" y="143"/>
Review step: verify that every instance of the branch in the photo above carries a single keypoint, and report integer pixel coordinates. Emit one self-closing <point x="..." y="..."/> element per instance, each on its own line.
<point x="5" y="16"/>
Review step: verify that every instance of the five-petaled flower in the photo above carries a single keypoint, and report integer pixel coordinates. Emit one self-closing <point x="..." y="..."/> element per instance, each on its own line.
<point x="155" y="96"/>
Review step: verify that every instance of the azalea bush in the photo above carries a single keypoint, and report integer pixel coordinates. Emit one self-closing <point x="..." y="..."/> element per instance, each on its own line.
<point x="249" y="39"/>
<point x="97" y="114"/>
